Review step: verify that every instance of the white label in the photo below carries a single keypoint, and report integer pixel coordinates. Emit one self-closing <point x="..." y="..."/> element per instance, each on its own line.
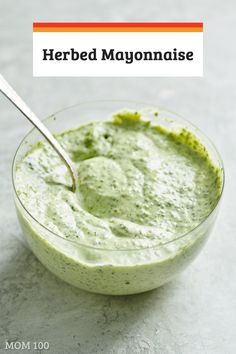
<point x="127" y="54"/>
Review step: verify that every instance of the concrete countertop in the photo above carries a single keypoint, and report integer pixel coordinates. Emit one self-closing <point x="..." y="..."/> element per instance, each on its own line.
<point x="196" y="313"/>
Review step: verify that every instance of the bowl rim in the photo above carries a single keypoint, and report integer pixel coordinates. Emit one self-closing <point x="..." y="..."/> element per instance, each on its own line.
<point x="148" y="105"/>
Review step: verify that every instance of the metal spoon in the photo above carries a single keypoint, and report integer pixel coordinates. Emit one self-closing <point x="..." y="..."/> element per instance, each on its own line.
<point x="10" y="93"/>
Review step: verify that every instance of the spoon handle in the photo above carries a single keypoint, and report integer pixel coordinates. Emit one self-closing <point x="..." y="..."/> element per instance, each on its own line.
<point x="10" y="93"/>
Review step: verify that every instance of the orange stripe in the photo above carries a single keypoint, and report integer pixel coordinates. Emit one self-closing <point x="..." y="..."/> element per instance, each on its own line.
<point x="117" y="24"/>
<point x="124" y="29"/>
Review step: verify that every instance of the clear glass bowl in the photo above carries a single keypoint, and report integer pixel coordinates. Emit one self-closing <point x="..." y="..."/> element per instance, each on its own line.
<point x="111" y="271"/>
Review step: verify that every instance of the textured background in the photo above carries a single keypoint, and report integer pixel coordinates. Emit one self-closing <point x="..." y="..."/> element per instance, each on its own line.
<point x="194" y="314"/>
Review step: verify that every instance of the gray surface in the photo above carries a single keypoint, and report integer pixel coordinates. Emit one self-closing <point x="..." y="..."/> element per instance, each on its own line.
<point x="196" y="313"/>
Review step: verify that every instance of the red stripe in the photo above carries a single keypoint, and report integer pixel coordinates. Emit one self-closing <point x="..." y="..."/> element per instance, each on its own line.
<point x="116" y="24"/>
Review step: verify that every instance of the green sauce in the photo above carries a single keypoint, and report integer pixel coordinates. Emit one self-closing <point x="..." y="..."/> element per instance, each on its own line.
<point x="139" y="186"/>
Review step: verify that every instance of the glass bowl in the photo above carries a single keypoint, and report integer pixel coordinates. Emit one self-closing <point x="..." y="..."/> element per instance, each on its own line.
<point x="111" y="271"/>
